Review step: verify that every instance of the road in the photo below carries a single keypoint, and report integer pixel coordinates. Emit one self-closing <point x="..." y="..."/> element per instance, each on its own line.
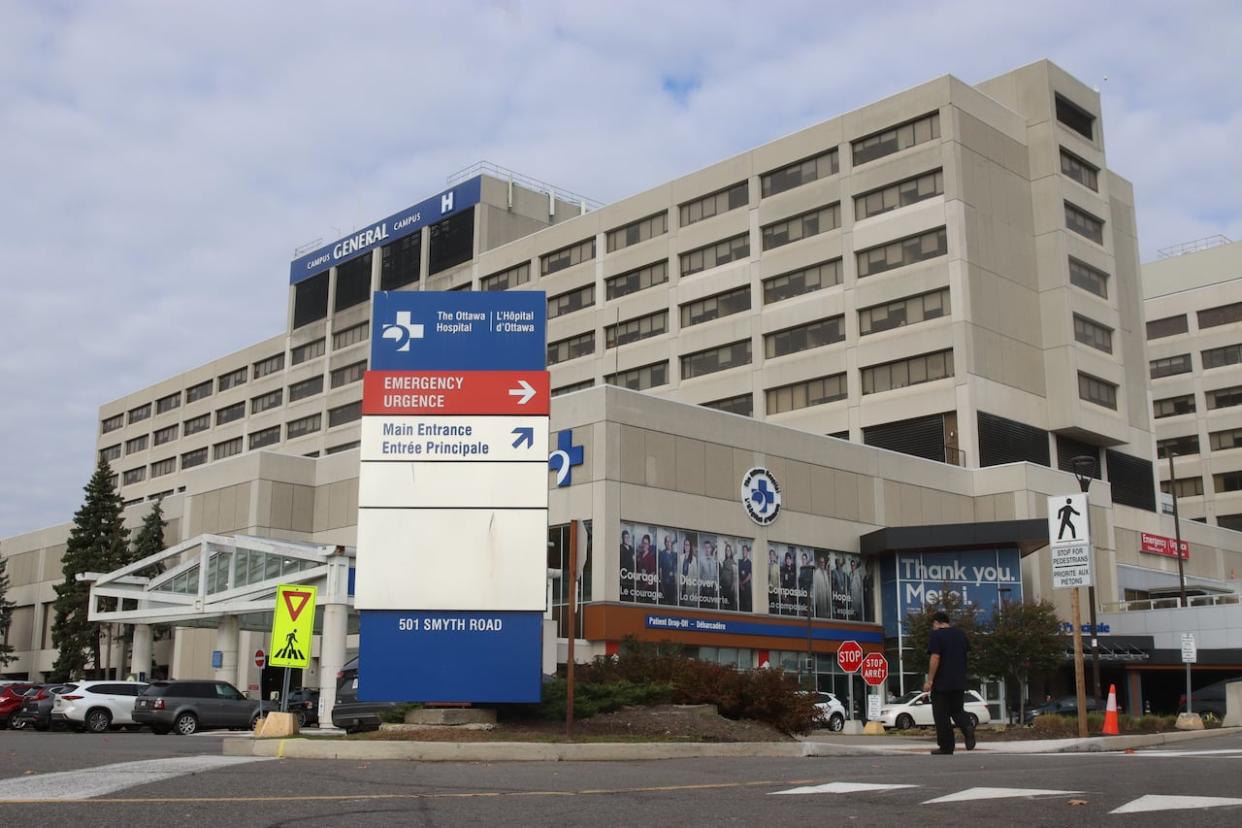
<point x="193" y="783"/>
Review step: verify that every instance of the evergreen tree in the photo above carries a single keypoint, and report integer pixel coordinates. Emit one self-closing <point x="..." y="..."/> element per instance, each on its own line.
<point x="149" y="539"/>
<point x="1024" y="639"/>
<point x="918" y="626"/>
<point x="98" y="542"/>
<point x="6" y="615"/>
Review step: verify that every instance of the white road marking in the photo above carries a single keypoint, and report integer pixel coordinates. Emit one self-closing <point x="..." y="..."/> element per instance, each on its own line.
<point x="1154" y="802"/>
<point x="1233" y="753"/>
<point x="997" y="793"/>
<point x="85" y="783"/>
<point x="842" y="788"/>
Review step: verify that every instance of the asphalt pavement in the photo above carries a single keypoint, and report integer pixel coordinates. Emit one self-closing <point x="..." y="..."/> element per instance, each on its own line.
<point x="1190" y="784"/>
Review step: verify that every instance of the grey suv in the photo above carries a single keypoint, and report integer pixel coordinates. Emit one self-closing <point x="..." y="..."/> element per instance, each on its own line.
<point x="186" y="707"/>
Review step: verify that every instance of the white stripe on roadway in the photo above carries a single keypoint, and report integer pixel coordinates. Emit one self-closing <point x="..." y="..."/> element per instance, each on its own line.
<point x="85" y="783"/>
<point x="1153" y="802"/>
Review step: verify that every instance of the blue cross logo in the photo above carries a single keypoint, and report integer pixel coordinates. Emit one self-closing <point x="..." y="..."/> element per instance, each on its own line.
<point x="762" y="496"/>
<point x="566" y="456"/>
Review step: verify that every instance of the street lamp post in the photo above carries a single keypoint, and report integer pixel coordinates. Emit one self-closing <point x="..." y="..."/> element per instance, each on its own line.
<point x="1177" y="533"/>
<point x="1084" y="469"/>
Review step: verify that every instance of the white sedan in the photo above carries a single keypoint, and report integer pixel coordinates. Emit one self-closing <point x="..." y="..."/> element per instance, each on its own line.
<point x="831" y="713"/>
<point x="914" y="709"/>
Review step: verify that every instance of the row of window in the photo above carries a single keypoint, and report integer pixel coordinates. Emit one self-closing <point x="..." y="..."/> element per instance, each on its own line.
<point x="1185" y="403"/>
<point x="1208" y="318"/>
<point x="1193" y="486"/>
<point x="1229" y="438"/>
<point x="1183" y="363"/>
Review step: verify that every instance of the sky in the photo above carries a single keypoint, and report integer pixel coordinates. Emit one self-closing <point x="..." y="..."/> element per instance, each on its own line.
<point x="160" y="162"/>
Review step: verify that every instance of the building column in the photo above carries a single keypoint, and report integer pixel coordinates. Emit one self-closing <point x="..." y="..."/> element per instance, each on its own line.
<point x="331" y="657"/>
<point x="226" y="643"/>
<point x="140" y="655"/>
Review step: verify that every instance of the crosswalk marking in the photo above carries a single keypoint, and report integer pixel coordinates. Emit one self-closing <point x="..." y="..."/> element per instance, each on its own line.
<point x="1155" y="802"/>
<point x="997" y="793"/>
<point x="1231" y="754"/>
<point x="86" y="783"/>
<point x="842" y="788"/>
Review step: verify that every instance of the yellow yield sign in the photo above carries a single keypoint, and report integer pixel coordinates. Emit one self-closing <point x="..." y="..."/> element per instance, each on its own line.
<point x="293" y="626"/>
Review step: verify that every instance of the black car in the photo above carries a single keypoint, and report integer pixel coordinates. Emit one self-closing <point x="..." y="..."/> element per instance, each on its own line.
<point x="36" y="709"/>
<point x="304" y="705"/>
<point x="349" y="714"/>
<point x="1064" y="706"/>
<point x="186" y="707"/>
<point x="1207" y="701"/>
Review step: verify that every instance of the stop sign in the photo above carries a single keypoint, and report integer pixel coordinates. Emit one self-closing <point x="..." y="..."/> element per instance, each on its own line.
<point x="260" y="659"/>
<point x="875" y="669"/>
<point x="849" y="656"/>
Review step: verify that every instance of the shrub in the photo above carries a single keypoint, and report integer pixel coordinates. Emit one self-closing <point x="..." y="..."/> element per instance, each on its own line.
<point x="396" y="715"/>
<point x="592" y="698"/>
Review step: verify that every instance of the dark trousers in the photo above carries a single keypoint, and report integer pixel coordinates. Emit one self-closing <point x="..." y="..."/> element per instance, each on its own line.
<point x="948" y="705"/>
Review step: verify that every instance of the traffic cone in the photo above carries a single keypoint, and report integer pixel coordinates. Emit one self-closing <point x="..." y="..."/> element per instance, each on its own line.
<point x="1110" y="713"/>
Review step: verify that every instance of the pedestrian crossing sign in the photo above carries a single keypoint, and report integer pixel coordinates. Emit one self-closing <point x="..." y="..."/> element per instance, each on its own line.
<point x="292" y="626"/>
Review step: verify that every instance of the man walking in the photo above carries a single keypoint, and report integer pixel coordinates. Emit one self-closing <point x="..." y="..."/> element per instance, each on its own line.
<point x="946" y="681"/>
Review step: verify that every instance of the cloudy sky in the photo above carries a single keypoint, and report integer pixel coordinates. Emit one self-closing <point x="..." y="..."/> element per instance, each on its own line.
<point x="159" y="162"/>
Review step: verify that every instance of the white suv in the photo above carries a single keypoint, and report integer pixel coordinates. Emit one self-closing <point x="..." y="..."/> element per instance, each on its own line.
<point x="96" y="706"/>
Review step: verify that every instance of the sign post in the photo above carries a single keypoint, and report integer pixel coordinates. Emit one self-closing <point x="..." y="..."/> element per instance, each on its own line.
<point x="849" y="659"/>
<point x="293" y="625"/>
<point x="1069" y="536"/>
<point x="1190" y="655"/>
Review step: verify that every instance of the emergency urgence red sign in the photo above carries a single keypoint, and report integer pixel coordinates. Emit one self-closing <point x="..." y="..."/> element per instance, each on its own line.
<point x="455" y="392"/>
<point x="875" y="669"/>
<point x="1160" y="545"/>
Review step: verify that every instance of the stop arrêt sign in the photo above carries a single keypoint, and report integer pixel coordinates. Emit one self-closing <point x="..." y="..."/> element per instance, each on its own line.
<point x="875" y="669"/>
<point x="260" y="659"/>
<point x="849" y="656"/>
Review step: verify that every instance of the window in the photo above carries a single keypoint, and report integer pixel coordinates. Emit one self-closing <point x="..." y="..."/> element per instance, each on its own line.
<point x="1180" y="446"/>
<point x="635" y="280"/>
<point x="799" y="173"/>
<point x="506" y="279"/>
<point x="451" y="242"/>
<point x="566" y="257"/>
<point x="110" y="453"/>
<point x="310" y="350"/>
<point x="1084" y="224"/>
<point x="902" y="252"/>
<point x="348" y="374"/>
<point x="1093" y="334"/>
<point x="638" y="231"/>
<point x="343" y="414"/>
<point x="136" y="444"/>
<point x="1168" y="366"/>
<point x="571" y="348"/>
<point x="569" y="389"/>
<point x="714" y="255"/>
<point x="353" y="283"/>
<point x="805" y="394"/>
<point x="1219" y="357"/>
<point x="464" y="287"/>
<point x="303" y="426"/>
<point x="1169" y="326"/>
<point x="1082" y="172"/>
<point x="743" y="404"/>
<point x="266" y="437"/>
<point x="714" y="307"/>
<point x="1076" y="118"/>
<point x="112" y="423"/>
<point x="342" y="447"/>
<point x="306" y="388"/>
<point x="1088" y="278"/>
<point x="909" y="191"/>
<point x="165" y="404"/>
<point x="1173" y="406"/>
<point x="142" y="412"/>
<point x="711" y="360"/>
<point x="233" y="379"/>
<point x="1221" y="315"/>
<point x="163" y="467"/>
<point x="134" y="476"/>
<point x="226" y="449"/>
<point x="639" y="379"/>
<point x="798" y="282"/>
<point x="197" y="392"/>
<point x="713" y="204"/>
<point x="400" y="261"/>
<point x="1227" y="482"/>
<point x="632" y="330"/>
<point x="801" y="226"/>
<point x="571" y="300"/>
<point x="310" y="300"/>
<point x="1219" y="398"/>
<point x="1219" y="440"/>
<point x="903" y="372"/>
<point x="230" y="413"/>
<point x="919" y="308"/>
<point x="166" y="435"/>
<point x="194" y="458"/>
<point x="804" y="337"/>
<point x="1185" y="486"/>
<point x="271" y="365"/>
<point x="197" y="424"/>
<point x="895" y="139"/>
<point x="264" y="402"/>
<point x="1098" y="391"/>
<point x="351" y="336"/>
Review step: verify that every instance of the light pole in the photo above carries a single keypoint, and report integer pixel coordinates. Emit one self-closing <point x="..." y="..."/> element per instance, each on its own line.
<point x="1084" y="469"/>
<point x="1177" y="533"/>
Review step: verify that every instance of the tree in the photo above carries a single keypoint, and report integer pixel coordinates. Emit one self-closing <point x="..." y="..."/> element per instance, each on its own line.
<point x="149" y="539"/>
<point x="97" y="543"/>
<point x="918" y="625"/>
<point x="1023" y="639"/>
<point x="6" y="616"/>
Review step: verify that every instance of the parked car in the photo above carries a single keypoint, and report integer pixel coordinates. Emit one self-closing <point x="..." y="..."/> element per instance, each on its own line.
<point x="186" y="707"/>
<point x="914" y="709"/>
<point x="97" y="706"/>
<point x="1209" y="700"/>
<point x="11" y="700"/>
<point x="831" y="711"/>
<point x="350" y="714"/>
<point x="304" y="705"/>
<point x="1064" y="706"/>
<point x="36" y="709"/>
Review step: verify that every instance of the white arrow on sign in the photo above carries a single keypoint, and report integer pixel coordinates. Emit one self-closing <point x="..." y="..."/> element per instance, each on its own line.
<point x="525" y="392"/>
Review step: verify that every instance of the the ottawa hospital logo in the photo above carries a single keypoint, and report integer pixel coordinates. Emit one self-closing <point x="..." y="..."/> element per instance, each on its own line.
<point x="403" y="331"/>
<point x="761" y="495"/>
